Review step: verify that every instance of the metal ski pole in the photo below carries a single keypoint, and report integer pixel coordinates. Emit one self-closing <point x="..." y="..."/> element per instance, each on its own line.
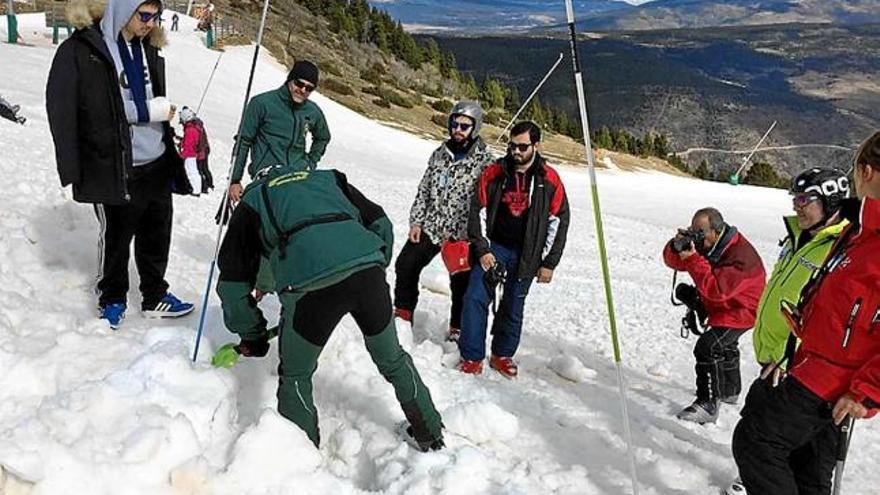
<point x="225" y="199"/>
<point x="529" y="99"/>
<point x="843" y="439"/>
<point x="734" y="179"/>
<point x="600" y="236"/>
<point x="208" y="85"/>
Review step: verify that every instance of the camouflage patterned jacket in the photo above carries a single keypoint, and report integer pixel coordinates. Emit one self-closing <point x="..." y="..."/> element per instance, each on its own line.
<point x="445" y="193"/>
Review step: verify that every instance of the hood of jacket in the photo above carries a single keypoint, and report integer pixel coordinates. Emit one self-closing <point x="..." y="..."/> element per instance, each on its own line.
<point x="109" y="18"/>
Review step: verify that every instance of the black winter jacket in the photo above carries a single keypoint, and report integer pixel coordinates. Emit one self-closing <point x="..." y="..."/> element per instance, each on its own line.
<point x="546" y="224"/>
<point x="87" y="119"/>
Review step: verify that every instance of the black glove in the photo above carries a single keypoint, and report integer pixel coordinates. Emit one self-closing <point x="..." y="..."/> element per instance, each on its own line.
<point x="254" y="348"/>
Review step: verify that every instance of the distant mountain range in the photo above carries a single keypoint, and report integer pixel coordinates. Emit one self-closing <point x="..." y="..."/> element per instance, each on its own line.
<point x="489" y="16"/>
<point x="675" y="14"/>
<point x="471" y="17"/>
<point x="709" y="90"/>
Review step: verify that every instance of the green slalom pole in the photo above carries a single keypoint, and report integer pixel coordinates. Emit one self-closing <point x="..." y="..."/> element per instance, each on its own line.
<point x="11" y="24"/>
<point x="600" y="235"/>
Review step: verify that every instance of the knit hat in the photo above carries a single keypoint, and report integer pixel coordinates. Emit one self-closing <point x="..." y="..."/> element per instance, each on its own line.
<point x="305" y="70"/>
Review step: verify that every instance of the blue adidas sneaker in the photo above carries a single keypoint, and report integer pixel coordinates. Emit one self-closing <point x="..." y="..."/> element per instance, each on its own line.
<point x="168" y="307"/>
<point x="114" y="314"/>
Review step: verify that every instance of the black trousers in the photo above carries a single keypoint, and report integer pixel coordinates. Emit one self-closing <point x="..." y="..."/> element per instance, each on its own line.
<point x="413" y="258"/>
<point x="786" y="441"/>
<point x="363" y="294"/>
<point x="146" y="219"/>
<point x="717" y="366"/>
<point x="716" y="352"/>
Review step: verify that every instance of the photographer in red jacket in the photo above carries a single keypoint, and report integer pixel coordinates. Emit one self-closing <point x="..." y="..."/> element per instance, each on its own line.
<point x="728" y="280"/>
<point x="836" y="370"/>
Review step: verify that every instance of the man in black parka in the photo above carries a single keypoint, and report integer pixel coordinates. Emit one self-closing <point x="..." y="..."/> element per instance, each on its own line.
<point x="109" y="118"/>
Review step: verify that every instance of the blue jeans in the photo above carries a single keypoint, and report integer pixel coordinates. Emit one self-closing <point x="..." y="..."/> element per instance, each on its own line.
<point x="507" y="327"/>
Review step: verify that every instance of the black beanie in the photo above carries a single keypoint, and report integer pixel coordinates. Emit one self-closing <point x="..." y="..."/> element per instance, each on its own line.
<point x="305" y="70"/>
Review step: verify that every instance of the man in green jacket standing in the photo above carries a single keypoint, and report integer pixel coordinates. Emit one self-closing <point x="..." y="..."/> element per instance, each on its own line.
<point x="816" y="196"/>
<point x="328" y="247"/>
<point x="275" y="127"/>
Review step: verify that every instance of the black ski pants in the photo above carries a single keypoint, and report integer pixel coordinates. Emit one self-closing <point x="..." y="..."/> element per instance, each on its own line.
<point x="786" y="441"/>
<point x="146" y="219"/>
<point x="716" y="352"/>
<point x="413" y="258"/>
<point x="717" y="367"/>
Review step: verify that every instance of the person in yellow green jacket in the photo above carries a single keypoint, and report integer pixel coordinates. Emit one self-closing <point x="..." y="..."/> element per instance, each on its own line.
<point x="816" y="195"/>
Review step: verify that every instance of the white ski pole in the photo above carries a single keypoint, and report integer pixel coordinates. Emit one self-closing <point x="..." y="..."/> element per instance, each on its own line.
<point x="208" y="85"/>
<point x="529" y="99"/>
<point x="225" y="199"/>
<point x="600" y="236"/>
<point x="754" y="150"/>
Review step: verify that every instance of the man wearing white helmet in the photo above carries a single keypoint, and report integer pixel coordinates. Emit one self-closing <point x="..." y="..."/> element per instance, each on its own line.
<point x="439" y="214"/>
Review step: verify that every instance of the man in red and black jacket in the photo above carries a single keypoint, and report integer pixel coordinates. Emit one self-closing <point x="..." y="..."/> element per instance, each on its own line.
<point x="836" y="370"/>
<point x="517" y="228"/>
<point x="729" y="277"/>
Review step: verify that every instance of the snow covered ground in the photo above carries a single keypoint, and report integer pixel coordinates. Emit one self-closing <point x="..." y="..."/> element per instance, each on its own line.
<point x="87" y="410"/>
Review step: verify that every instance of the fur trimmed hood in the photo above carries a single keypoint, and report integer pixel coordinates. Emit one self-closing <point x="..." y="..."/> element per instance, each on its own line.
<point x="82" y="14"/>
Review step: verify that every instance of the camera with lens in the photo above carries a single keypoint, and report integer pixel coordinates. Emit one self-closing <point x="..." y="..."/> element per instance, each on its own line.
<point x="687" y="238"/>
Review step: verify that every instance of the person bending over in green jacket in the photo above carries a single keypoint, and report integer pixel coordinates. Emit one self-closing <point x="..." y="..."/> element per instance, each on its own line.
<point x="275" y="126"/>
<point x="328" y="247"/>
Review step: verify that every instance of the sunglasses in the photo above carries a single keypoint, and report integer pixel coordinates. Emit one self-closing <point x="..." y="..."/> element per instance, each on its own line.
<point x="802" y="200"/>
<point x="522" y="148"/>
<point x="146" y="17"/>
<point x="304" y="85"/>
<point x="460" y="125"/>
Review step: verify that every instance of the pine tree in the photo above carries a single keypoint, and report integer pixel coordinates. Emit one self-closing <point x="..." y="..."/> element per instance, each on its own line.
<point x="603" y="138"/>
<point x="492" y="95"/>
<point x="432" y="53"/>
<point x="512" y="101"/>
<point x="448" y="64"/>
<point x="469" y="87"/>
<point x="703" y="171"/>
<point x="536" y="112"/>
<point x="763" y="174"/>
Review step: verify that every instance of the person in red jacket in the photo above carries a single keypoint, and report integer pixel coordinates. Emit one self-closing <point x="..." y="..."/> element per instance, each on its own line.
<point x="194" y="149"/>
<point x="729" y="277"/>
<point x="836" y="370"/>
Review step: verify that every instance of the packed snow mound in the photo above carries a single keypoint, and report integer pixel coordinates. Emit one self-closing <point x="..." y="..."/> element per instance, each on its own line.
<point x="571" y="368"/>
<point x="268" y="457"/>
<point x="481" y="422"/>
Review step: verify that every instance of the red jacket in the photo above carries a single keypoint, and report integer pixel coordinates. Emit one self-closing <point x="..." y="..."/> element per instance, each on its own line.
<point x="730" y="287"/>
<point x="840" y="324"/>
<point x="195" y="141"/>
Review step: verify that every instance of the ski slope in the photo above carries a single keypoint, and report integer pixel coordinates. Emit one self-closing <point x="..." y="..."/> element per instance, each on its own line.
<point x="87" y="410"/>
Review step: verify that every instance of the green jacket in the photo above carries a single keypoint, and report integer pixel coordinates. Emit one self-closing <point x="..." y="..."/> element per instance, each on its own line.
<point x="791" y="273"/>
<point x="317" y="231"/>
<point x="274" y="133"/>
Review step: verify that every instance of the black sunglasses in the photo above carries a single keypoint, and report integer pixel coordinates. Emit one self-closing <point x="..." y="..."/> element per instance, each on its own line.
<point x="304" y="85"/>
<point x="146" y="17"/>
<point x="519" y="146"/>
<point x="459" y="125"/>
